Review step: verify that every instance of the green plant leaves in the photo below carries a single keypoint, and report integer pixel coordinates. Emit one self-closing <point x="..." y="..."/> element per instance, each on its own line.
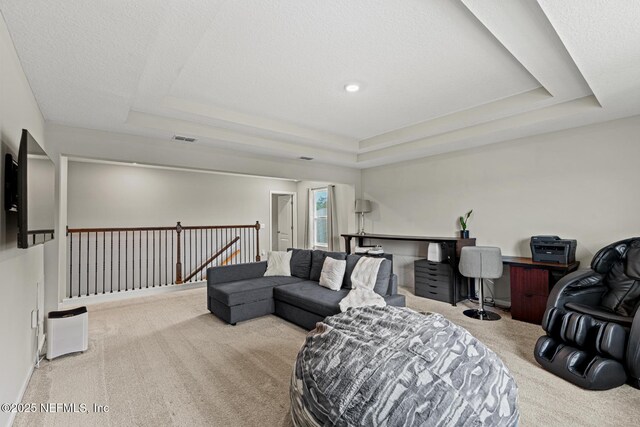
<point x="465" y="219"/>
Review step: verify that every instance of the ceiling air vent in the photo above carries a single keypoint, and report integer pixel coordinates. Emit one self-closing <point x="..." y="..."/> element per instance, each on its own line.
<point x="306" y="158"/>
<point x="184" y="138"/>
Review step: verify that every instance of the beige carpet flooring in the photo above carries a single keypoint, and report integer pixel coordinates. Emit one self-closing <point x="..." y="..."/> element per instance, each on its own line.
<point x="165" y="360"/>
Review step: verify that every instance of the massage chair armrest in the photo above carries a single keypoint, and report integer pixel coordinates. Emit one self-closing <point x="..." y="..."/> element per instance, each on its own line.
<point x="633" y="350"/>
<point x="582" y="286"/>
<point x="233" y="273"/>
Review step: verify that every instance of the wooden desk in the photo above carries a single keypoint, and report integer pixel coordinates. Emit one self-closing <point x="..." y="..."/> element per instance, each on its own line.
<point x="531" y="283"/>
<point x="451" y="245"/>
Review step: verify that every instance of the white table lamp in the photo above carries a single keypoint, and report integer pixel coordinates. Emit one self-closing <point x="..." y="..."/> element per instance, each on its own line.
<point x="362" y="207"/>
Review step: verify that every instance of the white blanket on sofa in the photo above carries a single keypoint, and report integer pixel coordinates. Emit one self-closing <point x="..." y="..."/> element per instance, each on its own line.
<point x="363" y="279"/>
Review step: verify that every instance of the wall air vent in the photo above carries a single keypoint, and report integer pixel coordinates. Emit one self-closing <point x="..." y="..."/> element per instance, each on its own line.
<point x="184" y="138"/>
<point x="306" y="158"/>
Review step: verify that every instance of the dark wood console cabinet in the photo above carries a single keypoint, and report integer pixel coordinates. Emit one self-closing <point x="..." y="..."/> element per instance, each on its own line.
<point x="434" y="280"/>
<point x="531" y="283"/>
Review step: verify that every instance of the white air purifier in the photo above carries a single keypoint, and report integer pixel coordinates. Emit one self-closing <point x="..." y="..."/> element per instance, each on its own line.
<point x="67" y="332"/>
<point x="434" y="252"/>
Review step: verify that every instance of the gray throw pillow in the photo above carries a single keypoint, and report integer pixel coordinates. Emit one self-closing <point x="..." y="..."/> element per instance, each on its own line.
<point x="301" y="263"/>
<point x="317" y="261"/>
<point x="382" y="280"/>
<point x="384" y="275"/>
<point x="352" y="260"/>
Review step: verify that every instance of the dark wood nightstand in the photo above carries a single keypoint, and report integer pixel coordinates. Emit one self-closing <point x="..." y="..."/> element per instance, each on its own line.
<point x="433" y="280"/>
<point x="531" y="283"/>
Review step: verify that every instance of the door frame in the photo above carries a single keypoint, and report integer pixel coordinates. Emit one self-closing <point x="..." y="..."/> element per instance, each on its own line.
<point x="294" y="218"/>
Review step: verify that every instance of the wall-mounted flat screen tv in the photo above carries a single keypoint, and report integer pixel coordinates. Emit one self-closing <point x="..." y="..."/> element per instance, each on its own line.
<point x="10" y="183"/>
<point x="36" y="197"/>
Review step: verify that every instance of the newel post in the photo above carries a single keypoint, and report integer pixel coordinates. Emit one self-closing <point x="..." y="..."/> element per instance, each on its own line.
<point x="178" y="255"/>
<point x="257" y="241"/>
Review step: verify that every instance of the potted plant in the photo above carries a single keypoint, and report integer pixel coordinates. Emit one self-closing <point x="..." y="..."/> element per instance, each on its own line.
<point x="464" y="221"/>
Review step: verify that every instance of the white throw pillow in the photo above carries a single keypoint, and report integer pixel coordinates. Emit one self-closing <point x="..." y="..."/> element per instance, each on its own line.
<point x="332" y="273"/>
<point x="278" y="264"/>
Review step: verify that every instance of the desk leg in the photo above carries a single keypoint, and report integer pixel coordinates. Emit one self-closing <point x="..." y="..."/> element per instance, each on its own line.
<point x="454" y="291"/>
<point x="347" y="244"/>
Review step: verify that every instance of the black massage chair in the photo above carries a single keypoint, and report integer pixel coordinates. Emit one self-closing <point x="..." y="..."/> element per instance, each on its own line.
<point x="593" y="322"/>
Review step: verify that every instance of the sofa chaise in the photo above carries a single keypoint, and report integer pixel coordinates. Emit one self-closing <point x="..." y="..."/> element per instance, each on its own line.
<point x="241" y="292"/>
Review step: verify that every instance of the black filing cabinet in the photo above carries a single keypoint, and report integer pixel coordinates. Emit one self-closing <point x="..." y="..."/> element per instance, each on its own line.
<point x="433" y="280"/>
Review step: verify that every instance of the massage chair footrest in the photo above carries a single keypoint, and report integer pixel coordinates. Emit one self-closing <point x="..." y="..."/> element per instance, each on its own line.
<point x="607" y="339"/>
<point x="592" y="372"/>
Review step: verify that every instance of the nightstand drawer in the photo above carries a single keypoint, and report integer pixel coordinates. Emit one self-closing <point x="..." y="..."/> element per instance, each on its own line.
<point x="433" y="285"/>
<point x="529" y="281"/>
<point x="438" y="281"/>
<point x="422" y="275"/>
<point x="433" y="292"/>
<point x="432" y="267"/>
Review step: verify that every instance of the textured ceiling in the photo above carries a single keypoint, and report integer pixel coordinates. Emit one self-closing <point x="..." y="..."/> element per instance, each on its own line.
<point x="267" y="77"/>
<point x="289" y="60"/>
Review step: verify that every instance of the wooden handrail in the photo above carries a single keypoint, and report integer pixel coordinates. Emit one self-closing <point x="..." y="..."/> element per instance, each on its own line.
<point x="216" y="227"/>
<point x="116" y="229"/>
<point x="210" y="260"/>
<point x="184" y="227"/>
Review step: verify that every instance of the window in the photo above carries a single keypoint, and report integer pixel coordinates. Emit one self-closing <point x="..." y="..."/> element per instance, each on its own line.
<point x="320" y="217"/>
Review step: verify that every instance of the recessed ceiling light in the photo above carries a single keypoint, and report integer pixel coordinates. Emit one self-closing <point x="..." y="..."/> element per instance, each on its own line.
<point x="352" y="87"/>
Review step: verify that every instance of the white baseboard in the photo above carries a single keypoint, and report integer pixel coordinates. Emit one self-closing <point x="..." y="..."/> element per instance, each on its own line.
<point x="41" y="341"/>
<point x="502" y="303"/>
<point x="117" y="296"/>
<point x="23" y="389"/>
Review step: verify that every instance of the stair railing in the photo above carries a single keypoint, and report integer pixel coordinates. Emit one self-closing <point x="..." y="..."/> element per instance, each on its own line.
<point x="108" y="260"/>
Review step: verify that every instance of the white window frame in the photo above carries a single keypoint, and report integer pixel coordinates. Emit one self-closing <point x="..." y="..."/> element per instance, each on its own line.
<point x="314" y="218"/>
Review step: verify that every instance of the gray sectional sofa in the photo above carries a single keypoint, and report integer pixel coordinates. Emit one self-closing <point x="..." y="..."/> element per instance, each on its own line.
<point x="241" y="292"/>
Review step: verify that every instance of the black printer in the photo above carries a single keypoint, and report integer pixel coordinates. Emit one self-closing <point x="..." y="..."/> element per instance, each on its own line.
<point x="553" y="249"/>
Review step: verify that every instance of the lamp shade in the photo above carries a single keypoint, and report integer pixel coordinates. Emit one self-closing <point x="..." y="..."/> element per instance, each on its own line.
<point x="481" y="262"/>
<point x="363" y="206"/>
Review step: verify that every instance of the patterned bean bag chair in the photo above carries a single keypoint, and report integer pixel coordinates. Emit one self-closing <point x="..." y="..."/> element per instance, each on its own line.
<point x="392" y="366"/>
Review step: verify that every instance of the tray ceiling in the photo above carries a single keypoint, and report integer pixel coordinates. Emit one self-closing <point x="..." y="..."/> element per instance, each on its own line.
<point x="268" y="77"/>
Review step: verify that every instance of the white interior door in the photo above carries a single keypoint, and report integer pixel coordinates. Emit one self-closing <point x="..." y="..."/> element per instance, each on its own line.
<point x="285" y="222"/>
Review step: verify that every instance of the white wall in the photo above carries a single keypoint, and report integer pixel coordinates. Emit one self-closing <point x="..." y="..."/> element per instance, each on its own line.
<point x="110" y="195"/>
<point x="580" y="183"/>
<point x="95" y="144"/>
<point x="20" y="269"/>
<point x="345" y="196"/>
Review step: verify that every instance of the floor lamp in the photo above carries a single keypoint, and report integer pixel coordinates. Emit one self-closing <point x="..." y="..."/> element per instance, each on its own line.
<point x="362" y="207"/>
